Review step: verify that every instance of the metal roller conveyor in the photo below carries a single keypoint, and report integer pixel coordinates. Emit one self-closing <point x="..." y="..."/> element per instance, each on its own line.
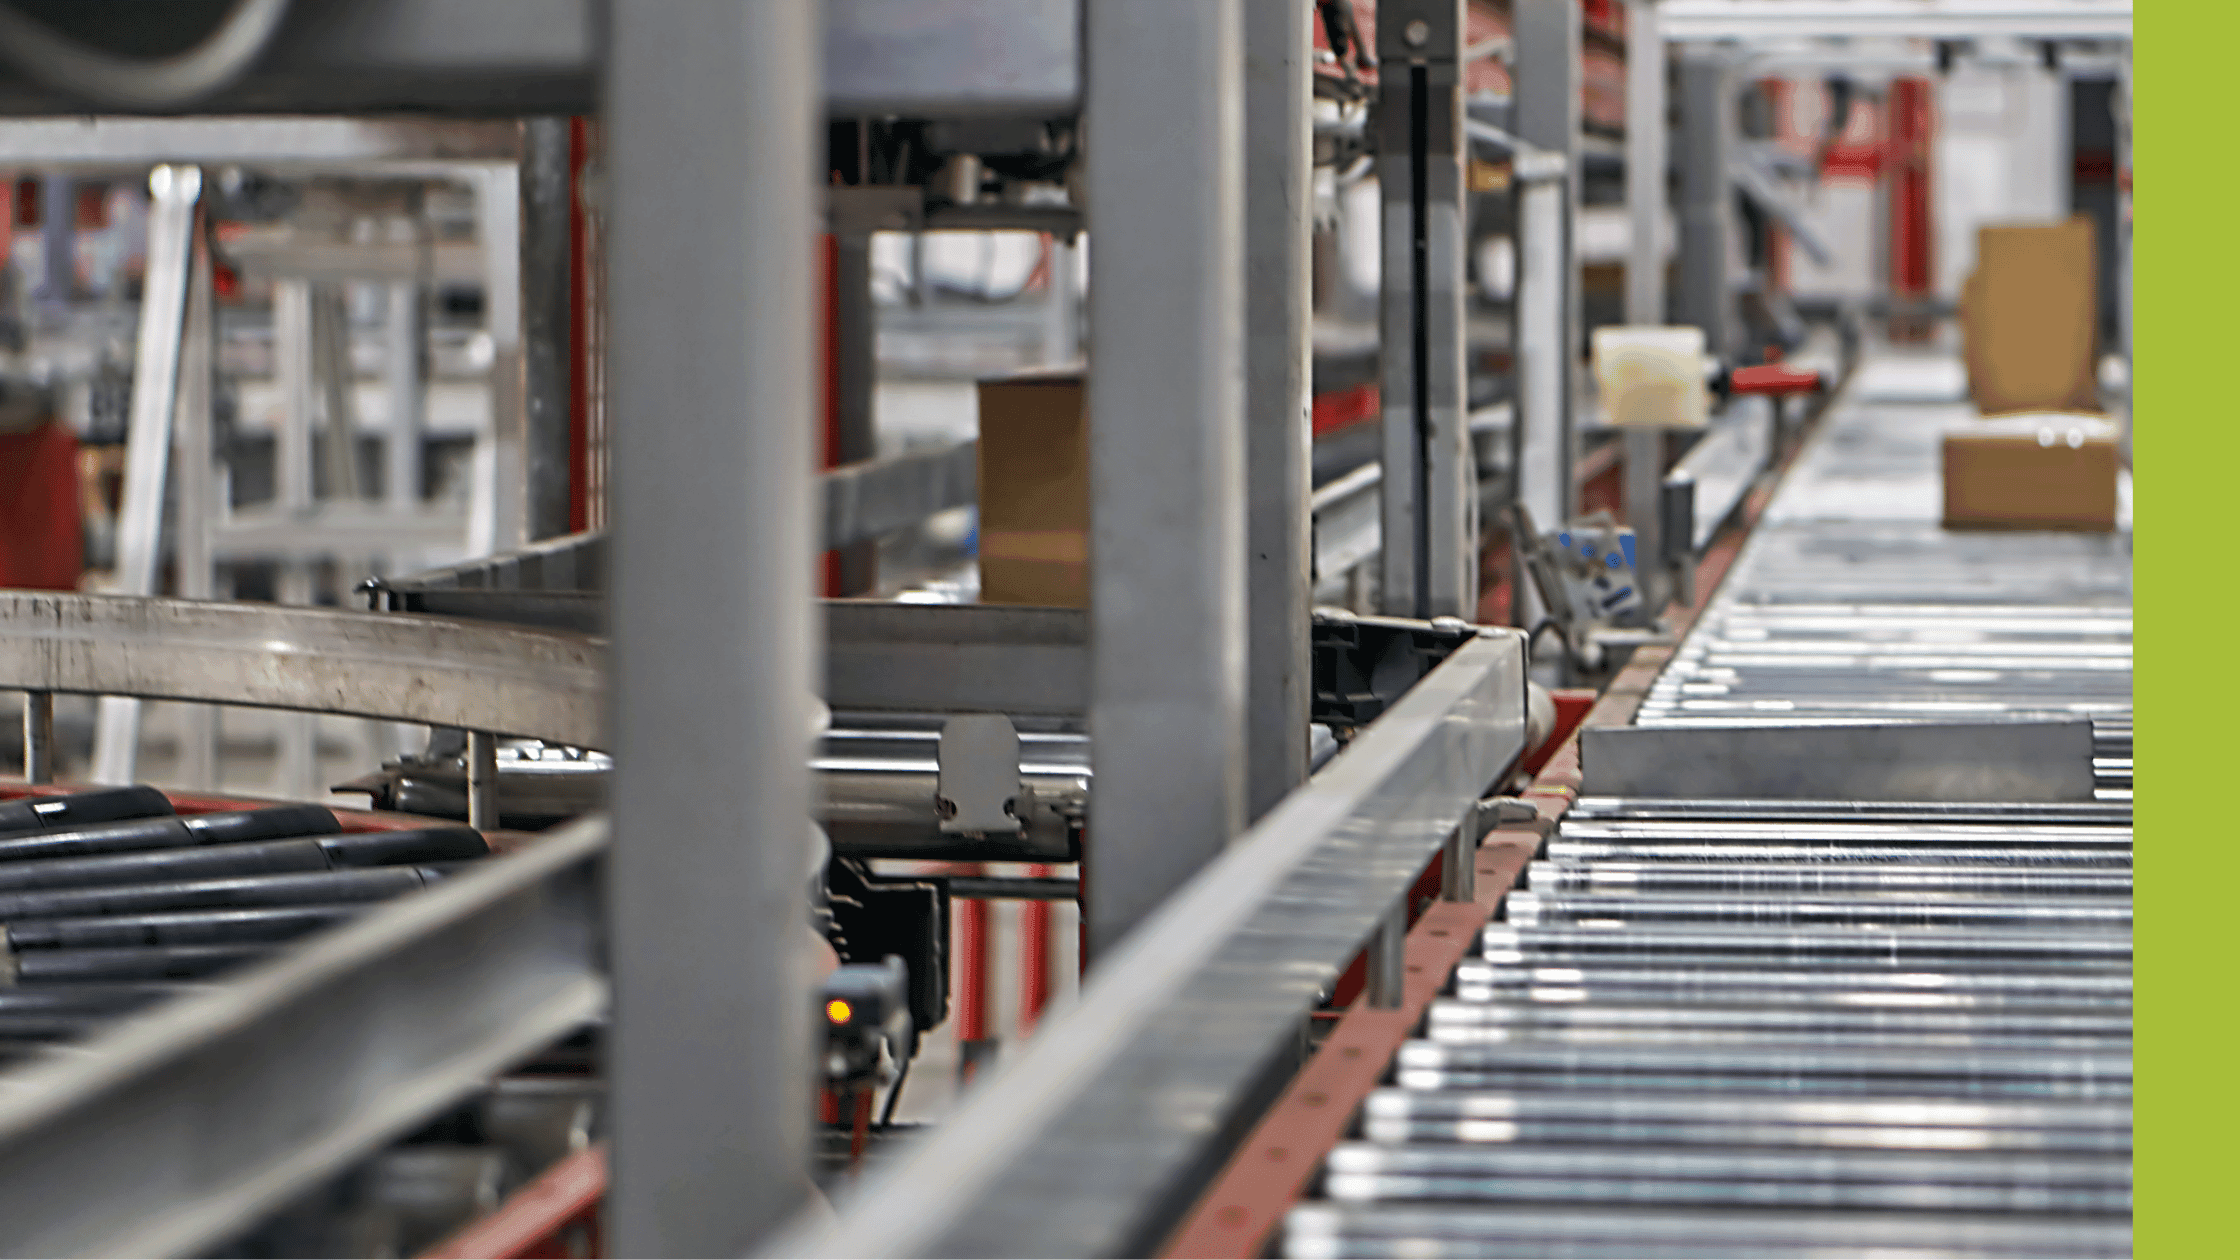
<point x="1529" y="909"/>
<point x="1824" y="880"/>
<point x="1973" y="1072"/>
<point x="1645" y="1119"/>
<point x="1900" y="950"/>
<point x="1712" y="1022"/>
<point x="1956" y="1181"/>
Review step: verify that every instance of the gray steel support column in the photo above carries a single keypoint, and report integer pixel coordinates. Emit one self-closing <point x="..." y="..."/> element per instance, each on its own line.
<point x="1544" y="454"/>
<point x="1279" y="197"/>
<point x="58" y="238"/>
<point x="1430" y="497"/>
<point x="1707" y="128"/>
<point x="1166" y="448"/>
<point x="1546" y="64"/>
<point x="1645" y="192"/>
<point x="858" y="377"/>
<point x="1645" y="162"/>
<point x="547" y="317"/>
<point x="714" y="130"/>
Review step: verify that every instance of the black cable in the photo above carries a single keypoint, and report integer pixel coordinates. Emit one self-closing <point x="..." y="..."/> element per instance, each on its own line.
<point x="886" y="1113"/>
<point x="42" y="53"/>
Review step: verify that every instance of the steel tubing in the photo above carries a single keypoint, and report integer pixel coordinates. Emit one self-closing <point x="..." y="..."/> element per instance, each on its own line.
<point x="194" y="927"/>
<point x="2104" y="858"/>
<point x="1823" y="880"/>
<point x="1735" y="810"/>
<point x="1478" y="980"/>
<point x="94" y="966"/>
<point x="1882" y="1070"/>
<point x="167" y="831"/>
<point x="74" y="809"/>
<point x="1451" y="1020"/>
<point x="1685" y="1176"/>
<point x="1902" y="950"/>
<point x="1605" y="1232"/>
<point x="310" y="888"/>
<point x="1884" y="1123"/>
<point x="340" y="852"/>
<point x="1527" y="909"/>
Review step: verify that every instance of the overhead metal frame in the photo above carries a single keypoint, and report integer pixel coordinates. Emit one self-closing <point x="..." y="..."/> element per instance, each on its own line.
<point x="1096" y="1139"/>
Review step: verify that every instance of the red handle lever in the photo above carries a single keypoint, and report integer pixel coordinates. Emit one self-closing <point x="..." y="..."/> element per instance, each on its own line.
<point x="1773" y="378"/>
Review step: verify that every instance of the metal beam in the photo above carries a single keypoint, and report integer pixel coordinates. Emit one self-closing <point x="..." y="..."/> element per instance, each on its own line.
<point x="1430" y="502"/>
<point x="1099" y="1135"/>
<point x="1279" y="195"/>
<point x="715" y="146"/>
<point x="171" y="1133"/>
<point x="543" y="684"/>
<point x="1166" y="450"/>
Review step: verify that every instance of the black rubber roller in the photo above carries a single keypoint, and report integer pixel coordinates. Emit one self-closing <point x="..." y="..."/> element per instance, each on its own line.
<point x="95" y="966"/>
<point x="187" y="927"/>
<point x="221" y="861"/>
<point x="308" y="889"/>
<point x="47" y="813"/>
<point x="181" y="831"/>
<point x="86" y="999"/>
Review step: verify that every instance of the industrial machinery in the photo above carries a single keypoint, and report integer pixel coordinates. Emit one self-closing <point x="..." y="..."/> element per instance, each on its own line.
<point x="1810" y="934"/>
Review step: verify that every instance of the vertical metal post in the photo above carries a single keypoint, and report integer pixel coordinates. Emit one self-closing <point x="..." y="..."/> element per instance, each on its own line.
<point x="38" y="737"/>
<point x="1645" y="191"/>
<point x="715" y="133"/>
<point x="294" y="364"/>
<point x="1061" y="315"/>
<point x="1279" y="194"/>
<point x="58" y="238"/>
<point x="1645" y="162"/>
<point x="547" y="322"/>
<point x="404" y="382"/>
<point x="482" y="780"/>
<point x="1547" y="64"/>
<point x="1429" y="492"/>
<point x="1544" y="455"/>
<point x="502" y="517"/>
<point x="194" y="461"/>
<point x="174" y="191"/>
<point x="1166" y="448"/>
<point x="1707" y="126"/>
<point x="857" y="378"/>
<point x="1458" y="875"/>
<point x="1387" y="980"/>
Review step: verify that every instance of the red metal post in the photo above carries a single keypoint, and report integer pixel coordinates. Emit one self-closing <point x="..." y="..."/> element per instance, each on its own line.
<point x="1910" y="124"/>
<point x="1034" y="958"/>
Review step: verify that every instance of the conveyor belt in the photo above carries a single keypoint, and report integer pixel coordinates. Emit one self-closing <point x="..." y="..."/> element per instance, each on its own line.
<point x="1707" y="1027"/>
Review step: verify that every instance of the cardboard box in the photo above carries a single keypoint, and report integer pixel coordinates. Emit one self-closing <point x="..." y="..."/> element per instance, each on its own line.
<point x="1034" y="490"/>
<point x="2032" y="472"/>
<point x="2030" y="319"/>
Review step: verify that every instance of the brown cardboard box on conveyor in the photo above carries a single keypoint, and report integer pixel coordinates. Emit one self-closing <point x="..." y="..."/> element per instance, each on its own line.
<point x="1034" y="490"/>
<point x="2043" y="457"/>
